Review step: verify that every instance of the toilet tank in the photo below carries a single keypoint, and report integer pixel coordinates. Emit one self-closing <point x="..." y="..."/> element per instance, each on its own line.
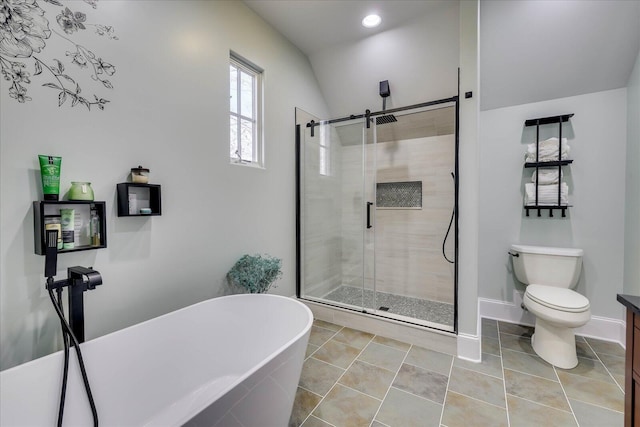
<point x="548" y="266"/>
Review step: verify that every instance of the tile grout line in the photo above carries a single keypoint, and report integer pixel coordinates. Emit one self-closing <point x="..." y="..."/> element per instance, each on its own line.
<point x="540" y="404"/>
<point x="326" y="422"/>
<point x="415" y="395"/>
<point x="361" y="392"/>
<point x="322" y="397"/>
<point x="599" y="406"/>
<point x="375" y="366"/>
<point x="330" y="364"/>
<point x="478" y="400"/>
<point x="479" y="372"/>
<point x="605" y="366"/>
<point x="564" y="392"/>
<point x="389" y="346"/>
<point x="504" y="376"/>
<point x="391" y="385"/>
<point x="532" y="375"/>
<point x="446" y="391"/>
<point x="339" y="378"/>
<point x="312" y="392"/>
<point x="322" y="345"/>
<point x="590" y="378"/>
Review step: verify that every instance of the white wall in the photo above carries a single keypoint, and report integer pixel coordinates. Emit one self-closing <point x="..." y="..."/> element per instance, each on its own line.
<point x="539" y="50"/>
<point x="420" y="60"/>
<point x="598" y="138"/>
<point x="468" y="201"/>
<point x="632" y="196"/>
<point x="167" y="111"/>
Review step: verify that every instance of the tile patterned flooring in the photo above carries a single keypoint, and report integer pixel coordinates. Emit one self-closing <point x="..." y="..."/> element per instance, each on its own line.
<point x="353" y="378"/>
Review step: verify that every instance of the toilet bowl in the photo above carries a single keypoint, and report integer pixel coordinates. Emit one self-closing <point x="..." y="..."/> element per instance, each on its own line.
<point x="549" y="273"/>
<point x="557" y="312"/>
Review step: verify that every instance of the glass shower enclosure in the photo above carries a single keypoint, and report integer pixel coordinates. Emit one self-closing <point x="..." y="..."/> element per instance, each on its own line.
<point x="376" y="212"/>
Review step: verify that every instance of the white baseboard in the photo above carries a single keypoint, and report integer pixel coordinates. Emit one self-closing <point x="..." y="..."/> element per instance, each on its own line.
<point x="469" y="347"/>
<point x="603" y="328"/>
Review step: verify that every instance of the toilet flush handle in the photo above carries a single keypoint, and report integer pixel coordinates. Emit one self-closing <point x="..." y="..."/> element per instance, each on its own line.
<point x="514" y="255"/>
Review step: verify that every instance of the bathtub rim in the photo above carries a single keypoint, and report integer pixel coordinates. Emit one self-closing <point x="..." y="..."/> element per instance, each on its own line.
<point x="255" y="368"/>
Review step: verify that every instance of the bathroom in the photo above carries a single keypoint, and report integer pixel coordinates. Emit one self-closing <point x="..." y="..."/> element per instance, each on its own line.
<point x="168" y="110"/>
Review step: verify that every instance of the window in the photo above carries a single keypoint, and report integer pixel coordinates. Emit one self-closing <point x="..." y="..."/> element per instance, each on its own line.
<point x="245" y="112"/>
<point x="324" y="146"/>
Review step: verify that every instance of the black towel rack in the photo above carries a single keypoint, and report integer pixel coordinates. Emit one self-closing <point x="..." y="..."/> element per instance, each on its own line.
<point x="538" y="164"/>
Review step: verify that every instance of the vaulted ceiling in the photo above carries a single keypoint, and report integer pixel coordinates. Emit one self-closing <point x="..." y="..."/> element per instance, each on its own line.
<point x="530" y="50"/>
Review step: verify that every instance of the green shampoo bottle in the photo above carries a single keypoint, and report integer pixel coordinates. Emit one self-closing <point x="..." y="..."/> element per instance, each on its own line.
<point x="50" y="172"/>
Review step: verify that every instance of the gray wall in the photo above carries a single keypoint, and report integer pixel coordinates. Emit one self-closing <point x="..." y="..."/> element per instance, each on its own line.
<point x="598" y="138"/>
<point x="168" y="111"/>
<point x="632" y="196"/>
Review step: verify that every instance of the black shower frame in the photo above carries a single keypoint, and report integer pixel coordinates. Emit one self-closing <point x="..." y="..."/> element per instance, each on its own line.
<point x="368" y="115"/>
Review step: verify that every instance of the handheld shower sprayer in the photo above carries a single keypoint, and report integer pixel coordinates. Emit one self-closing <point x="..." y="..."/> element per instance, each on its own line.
<point x="51" y="254"/>
<point x="444" y="241"/>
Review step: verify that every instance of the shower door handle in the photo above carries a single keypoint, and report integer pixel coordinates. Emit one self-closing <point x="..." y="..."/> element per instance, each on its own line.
<point x="369" y="214"/>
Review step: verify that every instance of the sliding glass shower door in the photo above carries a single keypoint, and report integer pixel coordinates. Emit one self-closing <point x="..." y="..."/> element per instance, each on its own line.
<point x="376" y="213"/>
<point x="331" y="213"/>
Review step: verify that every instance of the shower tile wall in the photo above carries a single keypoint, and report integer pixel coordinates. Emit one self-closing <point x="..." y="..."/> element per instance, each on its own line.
<point x="408" y="242"/>
<point x="321" y="211"/>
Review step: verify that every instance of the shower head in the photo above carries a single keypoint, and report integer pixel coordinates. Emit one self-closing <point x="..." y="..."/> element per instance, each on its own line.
<point x="389" y="118"/>
<point x="385" y="91"/>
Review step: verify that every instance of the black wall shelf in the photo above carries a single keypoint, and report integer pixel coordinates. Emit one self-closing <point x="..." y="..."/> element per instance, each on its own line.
<point x="554" y="163"/>
<point x="547" y="164"/>
<point x="42" y="209"/>
<point x="133" y="196"/>
<point x="548" y="120"/>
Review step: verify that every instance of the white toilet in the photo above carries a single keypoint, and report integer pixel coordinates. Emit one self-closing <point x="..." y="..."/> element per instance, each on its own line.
<point x="549" y="274"/>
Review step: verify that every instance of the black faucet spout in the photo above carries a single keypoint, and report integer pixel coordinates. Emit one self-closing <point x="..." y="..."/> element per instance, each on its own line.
<point x="80" y="279"/>
<point x="85" y="277"/>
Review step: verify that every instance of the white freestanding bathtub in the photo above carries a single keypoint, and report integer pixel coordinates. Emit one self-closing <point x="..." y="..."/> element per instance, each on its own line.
<point x="229" y="361"/>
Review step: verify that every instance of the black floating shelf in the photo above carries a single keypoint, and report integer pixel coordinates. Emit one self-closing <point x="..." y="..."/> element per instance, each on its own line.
<point x="144" y="195"/>
<point x="548" y="120"/>
<point x="551" y="208"/>
<point x="47" y="208"/>
<point x="547" y="164"/>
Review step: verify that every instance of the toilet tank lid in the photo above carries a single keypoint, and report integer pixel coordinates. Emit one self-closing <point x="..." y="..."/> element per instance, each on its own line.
<point x="547" y="250"/>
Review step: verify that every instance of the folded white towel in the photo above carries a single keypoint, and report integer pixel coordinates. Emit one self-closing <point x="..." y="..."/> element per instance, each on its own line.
<point x="547" y="195"/>
<point x="547" y="150"/>
<point x="546" y="176"/>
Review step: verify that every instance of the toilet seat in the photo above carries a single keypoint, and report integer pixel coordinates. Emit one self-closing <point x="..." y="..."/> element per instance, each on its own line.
<point x="561" y="299"/>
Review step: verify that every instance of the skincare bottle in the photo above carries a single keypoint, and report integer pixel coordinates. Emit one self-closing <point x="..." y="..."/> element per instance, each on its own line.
<point x="95" y="228"/>
<point x="68" y="228"/>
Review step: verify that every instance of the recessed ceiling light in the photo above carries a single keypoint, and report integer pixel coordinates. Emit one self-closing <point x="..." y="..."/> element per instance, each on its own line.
<point x="371" y="21"/>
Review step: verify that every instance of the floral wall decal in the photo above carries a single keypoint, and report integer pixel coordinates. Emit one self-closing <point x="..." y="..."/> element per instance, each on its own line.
<point x="23" y="31"/>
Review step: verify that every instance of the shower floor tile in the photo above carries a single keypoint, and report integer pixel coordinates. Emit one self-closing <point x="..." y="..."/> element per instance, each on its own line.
<point x="431" y="311"/>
